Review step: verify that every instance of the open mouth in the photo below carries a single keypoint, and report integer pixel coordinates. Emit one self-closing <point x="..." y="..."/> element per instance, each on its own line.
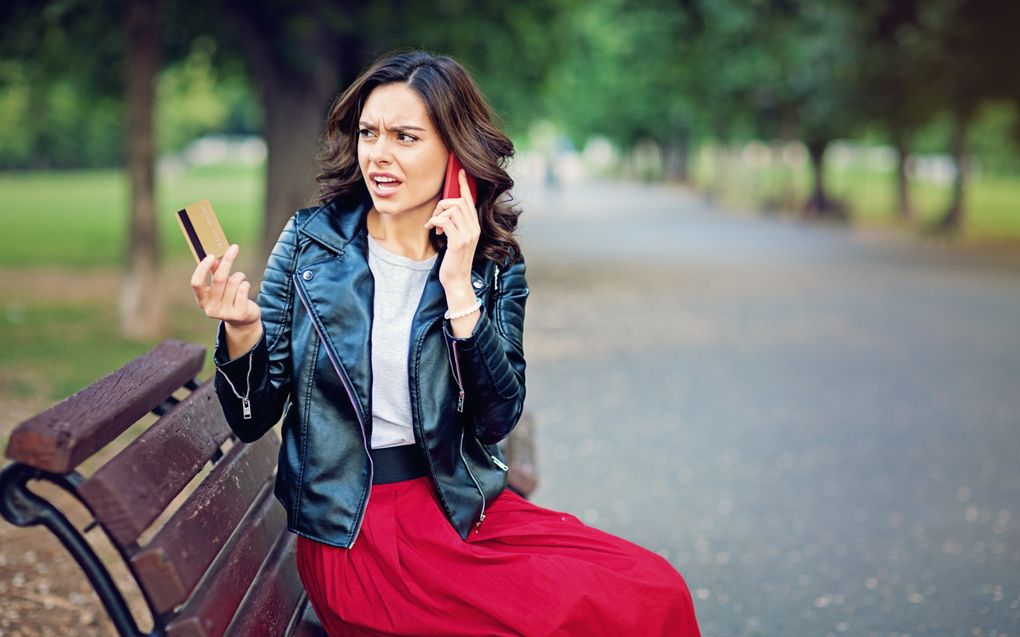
<point x="386" y="184"/>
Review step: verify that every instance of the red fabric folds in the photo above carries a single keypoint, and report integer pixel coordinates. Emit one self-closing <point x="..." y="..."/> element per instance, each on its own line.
<point x="526" y="571"/>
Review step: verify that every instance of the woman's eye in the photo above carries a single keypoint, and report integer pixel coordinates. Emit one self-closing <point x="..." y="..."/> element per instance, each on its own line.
<point x="404" y="137"/>
<point x="364" y="132"/>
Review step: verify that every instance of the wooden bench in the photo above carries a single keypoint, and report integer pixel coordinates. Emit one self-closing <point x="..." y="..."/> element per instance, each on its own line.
<point x="219" y="561"/>
<point x="223" y="562"/>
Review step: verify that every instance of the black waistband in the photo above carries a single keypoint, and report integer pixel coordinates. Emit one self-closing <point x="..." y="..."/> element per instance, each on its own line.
<point x="395" y="464"/>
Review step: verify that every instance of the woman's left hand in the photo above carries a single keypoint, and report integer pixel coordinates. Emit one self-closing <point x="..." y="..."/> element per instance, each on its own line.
<point x="458" y="220"/>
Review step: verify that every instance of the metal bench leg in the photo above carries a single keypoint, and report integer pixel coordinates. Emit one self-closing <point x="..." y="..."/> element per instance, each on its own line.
<point x="21" y="507"/>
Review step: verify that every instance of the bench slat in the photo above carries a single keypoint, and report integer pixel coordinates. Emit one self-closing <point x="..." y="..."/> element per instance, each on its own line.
<point x="213" y="604"/>
<point x="67" y="433"/>
<point x="133" y="488"/>
<point x="199" y="529"/>
<point x="275" y="597"/>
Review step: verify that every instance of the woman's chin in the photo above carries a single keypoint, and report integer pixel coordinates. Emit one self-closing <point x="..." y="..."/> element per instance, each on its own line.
<point x="397" y="206"/>
<point x="386" y="205"/>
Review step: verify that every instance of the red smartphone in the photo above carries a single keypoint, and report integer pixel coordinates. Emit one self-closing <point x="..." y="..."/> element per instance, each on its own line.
<point x="451" y="188"/>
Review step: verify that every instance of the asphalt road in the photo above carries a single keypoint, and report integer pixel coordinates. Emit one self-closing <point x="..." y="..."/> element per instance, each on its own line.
<point x="819" y="427"/>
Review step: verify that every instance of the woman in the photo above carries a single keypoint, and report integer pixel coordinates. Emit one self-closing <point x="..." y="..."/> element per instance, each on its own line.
<point x="389" y="324"/>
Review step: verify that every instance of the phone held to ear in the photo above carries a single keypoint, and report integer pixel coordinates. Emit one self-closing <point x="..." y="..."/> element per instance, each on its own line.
<point x="451" y="187"/>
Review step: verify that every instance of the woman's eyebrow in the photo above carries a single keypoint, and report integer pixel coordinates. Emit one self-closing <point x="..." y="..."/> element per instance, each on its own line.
<point x="399" y="128"/>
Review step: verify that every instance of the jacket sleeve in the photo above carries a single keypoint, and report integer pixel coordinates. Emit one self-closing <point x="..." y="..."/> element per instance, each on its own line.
<point x="262" y="376"/>
<point x="491" y="360"/>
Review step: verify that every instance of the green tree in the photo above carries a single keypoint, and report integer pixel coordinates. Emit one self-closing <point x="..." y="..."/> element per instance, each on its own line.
<point x="142" y="307"/>
<point x="892" y="50"/>
<point x="68" y="51"/>
<point x="60" y="88"/>
<point x="789" y="77"/>
<point x="976" y="44"/>
<point x="625" y="76"/>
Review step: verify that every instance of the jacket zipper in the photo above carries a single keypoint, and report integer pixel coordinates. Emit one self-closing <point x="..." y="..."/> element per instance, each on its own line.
<point x="460" y="407"/>
<point x="354" y="404"/>
<point x="495" y="292"/>
<point x="481" y="516"/>
<point x="455" y="364"/>
<point x="245" y="402"/>
<point x="455" y="361"/>
<point x="499" y="463"/>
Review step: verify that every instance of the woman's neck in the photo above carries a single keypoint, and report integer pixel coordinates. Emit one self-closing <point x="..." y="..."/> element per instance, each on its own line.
<point x="402" y="234"/>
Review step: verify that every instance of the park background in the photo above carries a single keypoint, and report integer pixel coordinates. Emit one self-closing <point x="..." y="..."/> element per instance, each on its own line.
<point x="895" y="119"/>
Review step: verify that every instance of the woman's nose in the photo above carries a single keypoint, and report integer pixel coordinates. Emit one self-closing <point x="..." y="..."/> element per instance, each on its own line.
<point x="379" y="152"/>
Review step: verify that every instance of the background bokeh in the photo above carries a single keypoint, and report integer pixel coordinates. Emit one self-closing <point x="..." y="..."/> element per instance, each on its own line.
<point x="772" y="246"/>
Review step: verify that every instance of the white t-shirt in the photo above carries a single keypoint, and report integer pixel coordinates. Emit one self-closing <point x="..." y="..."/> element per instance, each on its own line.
<point x="399" y="283"/>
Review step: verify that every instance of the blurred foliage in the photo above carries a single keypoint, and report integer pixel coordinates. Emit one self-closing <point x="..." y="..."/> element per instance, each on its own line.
<point x="59" y="85"/>
<point x="195" y="98"/>
<point x="618" y="57"/>
<point x="676" y="72"/>
<point x="992" y="137"/>
<point x="53" y="122"/>
<point x="625" y="69"/>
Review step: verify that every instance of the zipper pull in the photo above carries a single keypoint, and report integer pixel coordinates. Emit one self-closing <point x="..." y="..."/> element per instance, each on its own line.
<point x="246" y="406"/>
<point x="499" y="463"/>
<point x="460" y="401"/>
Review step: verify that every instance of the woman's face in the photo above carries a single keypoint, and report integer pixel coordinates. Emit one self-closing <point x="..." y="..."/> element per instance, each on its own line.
<point x="402" y="158"/>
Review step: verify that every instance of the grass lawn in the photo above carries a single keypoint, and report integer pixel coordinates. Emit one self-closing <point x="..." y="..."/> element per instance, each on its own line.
<point x="992" y="201"/>
<point x="79" y="219"/>
<point x="60" y="253"/>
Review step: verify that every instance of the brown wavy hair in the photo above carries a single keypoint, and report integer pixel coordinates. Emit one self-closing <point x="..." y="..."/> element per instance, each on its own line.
<point x="466" y="124"/>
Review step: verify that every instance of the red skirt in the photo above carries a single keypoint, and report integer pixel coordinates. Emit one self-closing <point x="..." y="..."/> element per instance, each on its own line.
<point x="526" y="571"/>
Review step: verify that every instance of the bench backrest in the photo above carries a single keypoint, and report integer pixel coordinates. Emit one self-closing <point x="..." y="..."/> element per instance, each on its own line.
<point x="223" y="562"/>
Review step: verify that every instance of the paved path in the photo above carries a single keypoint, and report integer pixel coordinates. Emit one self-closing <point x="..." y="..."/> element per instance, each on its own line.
<point x="820" y="429"/>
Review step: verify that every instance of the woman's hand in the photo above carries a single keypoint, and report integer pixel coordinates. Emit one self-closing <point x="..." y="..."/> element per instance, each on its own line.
<point x="458" y="219"/>
<point x="226" y="299"/>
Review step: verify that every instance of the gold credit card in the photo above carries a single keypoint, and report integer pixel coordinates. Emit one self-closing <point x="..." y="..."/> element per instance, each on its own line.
<point x="202" y="229"/>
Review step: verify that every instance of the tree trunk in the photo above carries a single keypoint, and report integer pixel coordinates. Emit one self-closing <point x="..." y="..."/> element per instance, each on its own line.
<point x="294" y="119"/>
<point x="903" y="208"/>
<point x="141" y="304"/>
<point x="819" y="204"/>
<point x="295" y="100"/>
<point x="953" y="218"/>
<point x="677" y="155"/>
<point x="715" y="187"/>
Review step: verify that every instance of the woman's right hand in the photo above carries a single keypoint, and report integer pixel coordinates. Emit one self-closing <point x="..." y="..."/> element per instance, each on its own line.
<point x="225" y="298"/>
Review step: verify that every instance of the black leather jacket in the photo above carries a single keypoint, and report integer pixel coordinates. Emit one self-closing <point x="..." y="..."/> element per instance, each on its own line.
<point x="313" y="365"/>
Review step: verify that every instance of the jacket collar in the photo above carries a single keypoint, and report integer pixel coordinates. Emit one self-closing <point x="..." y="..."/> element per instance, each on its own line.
<point x="336" y="223"/>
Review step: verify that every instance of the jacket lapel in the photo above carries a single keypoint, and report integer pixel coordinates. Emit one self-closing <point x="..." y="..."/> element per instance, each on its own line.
<point x="341" y="292"/>
<point x="335" y="224"/>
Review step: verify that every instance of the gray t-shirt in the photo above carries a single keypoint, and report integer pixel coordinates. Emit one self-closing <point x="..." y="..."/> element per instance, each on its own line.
<point x="399" y="283"/>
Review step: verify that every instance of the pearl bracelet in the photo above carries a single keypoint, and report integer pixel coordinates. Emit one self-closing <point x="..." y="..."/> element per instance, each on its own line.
<point x="471" y="310"/>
